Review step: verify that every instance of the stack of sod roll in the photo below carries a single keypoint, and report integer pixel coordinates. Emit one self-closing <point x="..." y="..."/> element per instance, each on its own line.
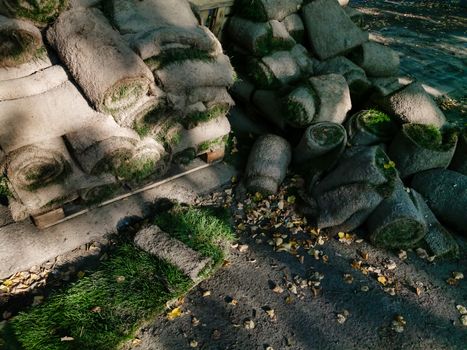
<point x="100" y="96"/>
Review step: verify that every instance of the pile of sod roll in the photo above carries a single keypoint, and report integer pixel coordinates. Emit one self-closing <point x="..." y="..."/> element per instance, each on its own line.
<point x="377" y="153"/>
<point x="98" y="97"/>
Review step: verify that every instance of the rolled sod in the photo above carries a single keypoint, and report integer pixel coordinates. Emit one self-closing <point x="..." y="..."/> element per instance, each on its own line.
<point x="396" y="222"/>
<point x="353" y="74"/>
<point x="320" y="139"/>
<point x="102" y="147"/>
<point x="438" y="239"/>
<point x="20" y="42"/>
<point x="377" y="60"/>
<point x="38" y="165"/>
<point x="36" y="118"/>
<point x="330" y="30"/>
<point x="418" y="147"/>
<point x="264" y="10"/>
<point x="459" y="161"/>
<point x="299" y="106"/>
<point x="275" y="70"/>
<point x="155" y="28"/>
<point x="333" y="95"/>
<point x="294" y="25"/>
<point x="160" y="244"/>
<point x="370" y="127"/>
<point x="267" y="164"/>
<point x="188" y="74"/>
<point x="26" y="69"/>
<point x="114" y="80"/>
<point x="259" y="38"/>
<point x="412" y="104"/>
<point x="347" y="207"/>
<point x="445" y="192"/>
<point x="35" y="84"/>
<point x="43" y="176"/>
<point x="362" y="165"/>
<point x="40" y="12"/>
<point x="204" y="136"/>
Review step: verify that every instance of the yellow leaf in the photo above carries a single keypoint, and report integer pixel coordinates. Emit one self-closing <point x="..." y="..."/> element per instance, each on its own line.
<point x="383" y="280"/>
<point x="389" y="165"/>
<point x="80" y="274"/>
<point x="341" y="235"/>
<point x="291" y="199"/>
<point x="173" y="314"/>
<point x="7" y="283"/>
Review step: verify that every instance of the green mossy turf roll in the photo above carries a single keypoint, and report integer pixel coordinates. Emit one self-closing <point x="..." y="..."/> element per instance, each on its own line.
<point x="370" y="127"/>
<point x="41" y="12"/>
<point x="446" y="194"/>
<point x="459" y="161"/>
<point x="419" y="147"/>
<point x="259" y="38"/>
<point x="396" y="222"/>
<point x="20" y="42"/>
<point x="267" y="164"/>
<point x="377" y="60"/>
<point x="352" y="190"/>
<point x="111" y="75"/>
<point x="439" y="240"/>
<point x="321" y="141"/>
<point x="299" y="106"/>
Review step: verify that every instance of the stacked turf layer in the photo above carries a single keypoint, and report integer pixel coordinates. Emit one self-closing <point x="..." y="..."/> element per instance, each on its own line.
<point x="40" y="12"/>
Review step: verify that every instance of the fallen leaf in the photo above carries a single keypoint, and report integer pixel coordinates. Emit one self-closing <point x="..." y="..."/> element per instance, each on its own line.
<point x="462" y="309"/>
<point x="136" y="341"/>
<point x="348" y="278"/>
<point x="67" y="338"/>
<point x="120" y="279"/>
<point x="458" y="275"/>
<point x="173" y="314"/>
<point x="249" y="324"/>
<point x="291" y="199"/>
<point x="194" y="321"/>
<point x="80" y="274"/>
<point x="463" y="320"/>
<point x="383" y="280"/>
<point x="278" y="289"/>
<point x="206" y="293"/>
<point x="341" y="318"/>
<point x="193" y="344"/>
<point x="365" y="289"/>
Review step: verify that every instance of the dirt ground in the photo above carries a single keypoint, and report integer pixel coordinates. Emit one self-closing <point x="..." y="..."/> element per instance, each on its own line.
<point x="334" y="293"/>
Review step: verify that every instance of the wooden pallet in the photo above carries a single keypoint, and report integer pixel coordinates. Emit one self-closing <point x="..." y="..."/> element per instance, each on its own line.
<point x="213" y="14"/>
<point x="73" y="209"/>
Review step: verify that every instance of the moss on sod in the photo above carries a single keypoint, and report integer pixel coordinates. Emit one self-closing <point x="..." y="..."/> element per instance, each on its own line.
<point x="430" y="137"/>
<point x="377" y="122"/>
<point x="4" y="189"/>
<point x="194" y="119"/>
<point x="41" y="12"/>
<point x="105" y="307"/>
<point x="176" y="55"/>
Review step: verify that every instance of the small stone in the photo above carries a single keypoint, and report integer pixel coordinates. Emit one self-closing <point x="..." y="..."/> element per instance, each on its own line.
<point x="216" y="334"/>
<point x="341" y="318"/>
<point x="242" y="248"/>
<point x="249" y="324"/>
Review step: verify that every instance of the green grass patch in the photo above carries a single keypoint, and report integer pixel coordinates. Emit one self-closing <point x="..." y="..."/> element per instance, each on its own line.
<point x="212" y="144"/>
<point x="377" y="122"/>
<point x="4" y="189"/>
<point x="42" y="12"/>
<point x="261" y="75"/>
<point x="121" y="305"/>
<point x="176" y="55"/>
<point x="194" y="119"/>
<point x="203" y="229"/>
<point x="104" y="308"/>
<point x="430" y="137"/>
<point x="47" y="175"/>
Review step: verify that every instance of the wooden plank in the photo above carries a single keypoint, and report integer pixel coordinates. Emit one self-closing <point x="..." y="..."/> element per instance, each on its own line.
<point x="201" y="5"/>
<point x="214" y="156"/>
<point x="48" y="219"/>
<point x="198" y="164"/>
